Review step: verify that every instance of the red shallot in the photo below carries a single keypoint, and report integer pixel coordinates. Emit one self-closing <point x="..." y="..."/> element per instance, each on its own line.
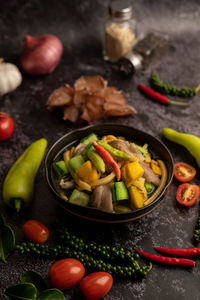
<point x="41" y="54"/>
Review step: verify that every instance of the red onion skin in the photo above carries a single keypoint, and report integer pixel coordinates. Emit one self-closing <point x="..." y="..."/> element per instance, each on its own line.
<point x="41" y="54"/>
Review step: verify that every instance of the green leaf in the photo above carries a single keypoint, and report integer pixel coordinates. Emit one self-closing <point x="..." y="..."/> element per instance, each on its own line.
<point x="23" y="291"/>
<point x="34" y="278"/>
<point x="7" y="241"/>
<point x="51" y="294"/>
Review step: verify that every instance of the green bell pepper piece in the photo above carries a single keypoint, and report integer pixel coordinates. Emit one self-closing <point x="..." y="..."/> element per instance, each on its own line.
<point x="150" y="187"/>
<point x="60" y="168"/>
<point x="75" y="162"/>
<point x="79" y="198"/>
<point x="119" y="191"/>
<point x="18" y="186"/>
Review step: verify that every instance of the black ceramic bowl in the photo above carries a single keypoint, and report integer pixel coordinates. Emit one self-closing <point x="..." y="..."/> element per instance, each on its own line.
<point x="158" y="149"/>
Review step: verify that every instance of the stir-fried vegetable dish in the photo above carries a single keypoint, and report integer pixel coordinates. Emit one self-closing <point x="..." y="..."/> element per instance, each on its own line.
<point x="111" y="174"/>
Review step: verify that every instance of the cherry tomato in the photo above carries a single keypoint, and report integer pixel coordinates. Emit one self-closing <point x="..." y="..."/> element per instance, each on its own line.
<point x="6" y="126"/>
<point x="96" y="285"/>
<point x="184" y="172"/>
<point x="35" y="231"/>
<point x="66" y="273"/>
<point x="187" y="194"/>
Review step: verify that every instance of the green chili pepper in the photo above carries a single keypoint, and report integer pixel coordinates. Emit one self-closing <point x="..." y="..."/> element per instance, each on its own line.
<point x="18" y="185"/>
<point x="97" y="161"/>
<point x="189" y="141"/>
<point x="88" y="139"/>
<point x="117" y="154"/>
<point x="171" y="89"/>
<point x="87" y="148"/>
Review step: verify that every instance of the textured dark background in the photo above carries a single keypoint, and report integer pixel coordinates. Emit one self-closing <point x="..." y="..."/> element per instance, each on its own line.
<point x="79" y="25"/>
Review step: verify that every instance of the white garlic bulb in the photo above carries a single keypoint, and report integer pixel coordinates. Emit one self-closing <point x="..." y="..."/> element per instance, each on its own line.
<point x="10" y="77"/>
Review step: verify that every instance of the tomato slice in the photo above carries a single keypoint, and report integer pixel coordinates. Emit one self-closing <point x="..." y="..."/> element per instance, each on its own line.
<point x="187" y="194"/>
<point x="184" y="172"/>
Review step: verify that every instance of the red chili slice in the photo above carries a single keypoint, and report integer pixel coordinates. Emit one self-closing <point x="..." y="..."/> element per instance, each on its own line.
<point x="187" y="194"/>
<point x="184" y="172"/>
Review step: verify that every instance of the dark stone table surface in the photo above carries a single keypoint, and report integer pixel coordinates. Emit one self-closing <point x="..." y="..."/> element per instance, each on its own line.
<point x="79" y="25"/>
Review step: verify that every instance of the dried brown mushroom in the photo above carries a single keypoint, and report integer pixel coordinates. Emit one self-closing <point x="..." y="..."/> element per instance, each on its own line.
<point x="90" y="99"/>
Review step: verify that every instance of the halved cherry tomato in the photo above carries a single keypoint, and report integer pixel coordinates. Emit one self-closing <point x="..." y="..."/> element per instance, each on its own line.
<point x="35" y="231"/>
<point x="66" y="273"/>
<point x="187" y="194"/>
<point x="96" y="285"/>
<point x="6" y="126"/>
<point x="184" y="172"/>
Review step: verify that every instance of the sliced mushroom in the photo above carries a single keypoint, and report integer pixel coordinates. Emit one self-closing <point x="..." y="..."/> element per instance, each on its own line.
<point x="102" y="198"/>
<point x="130" y="148"/>
<point x="127" y="147"/>
<point x="65" y="184"/>
<point x="149" y="175"/>
<point x="78" y="150"/>
<point x="136" y="151"/>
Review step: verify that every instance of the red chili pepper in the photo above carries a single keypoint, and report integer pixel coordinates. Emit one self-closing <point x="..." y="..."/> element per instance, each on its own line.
<point x="108" y="159"/>
<point x="171" y="261"/>
<point x="158" y="97"/>
<point x="181" y="252"/>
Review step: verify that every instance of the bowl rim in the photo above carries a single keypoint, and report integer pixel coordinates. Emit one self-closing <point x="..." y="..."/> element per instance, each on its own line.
<point x="155" y="202"/>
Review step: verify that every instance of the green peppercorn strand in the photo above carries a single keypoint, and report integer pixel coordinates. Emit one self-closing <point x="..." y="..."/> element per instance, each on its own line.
<point x="171" y="89"/>
<point x="57" y="252"/>
<point x="196" y="235"/>
<point x="106" y="252"/>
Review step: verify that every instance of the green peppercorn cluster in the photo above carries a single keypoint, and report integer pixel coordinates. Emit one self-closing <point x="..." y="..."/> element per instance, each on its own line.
<point x="196" y="235"/>
<point x="117" y="262"/>
<point x="171" y="89"/>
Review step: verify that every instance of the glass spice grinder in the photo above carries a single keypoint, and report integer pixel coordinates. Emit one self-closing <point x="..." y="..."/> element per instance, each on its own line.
<point x="150" y="49"/>
<point x="119" y="31"/>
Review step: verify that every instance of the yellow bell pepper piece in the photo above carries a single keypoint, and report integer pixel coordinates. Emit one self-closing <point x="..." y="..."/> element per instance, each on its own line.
<point x="136" y="197"/>
<point x="132" y="159"/>
<point x="148" y="164"/>
<point x="87" y="172"/>
<point x="108" y="138"/>
<point x="131" y="172"/>
<point x="155" y="167"/>
<point x="139" y="183"/>
<point x="81" y="184"/>
<point x="147" y="158"/>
